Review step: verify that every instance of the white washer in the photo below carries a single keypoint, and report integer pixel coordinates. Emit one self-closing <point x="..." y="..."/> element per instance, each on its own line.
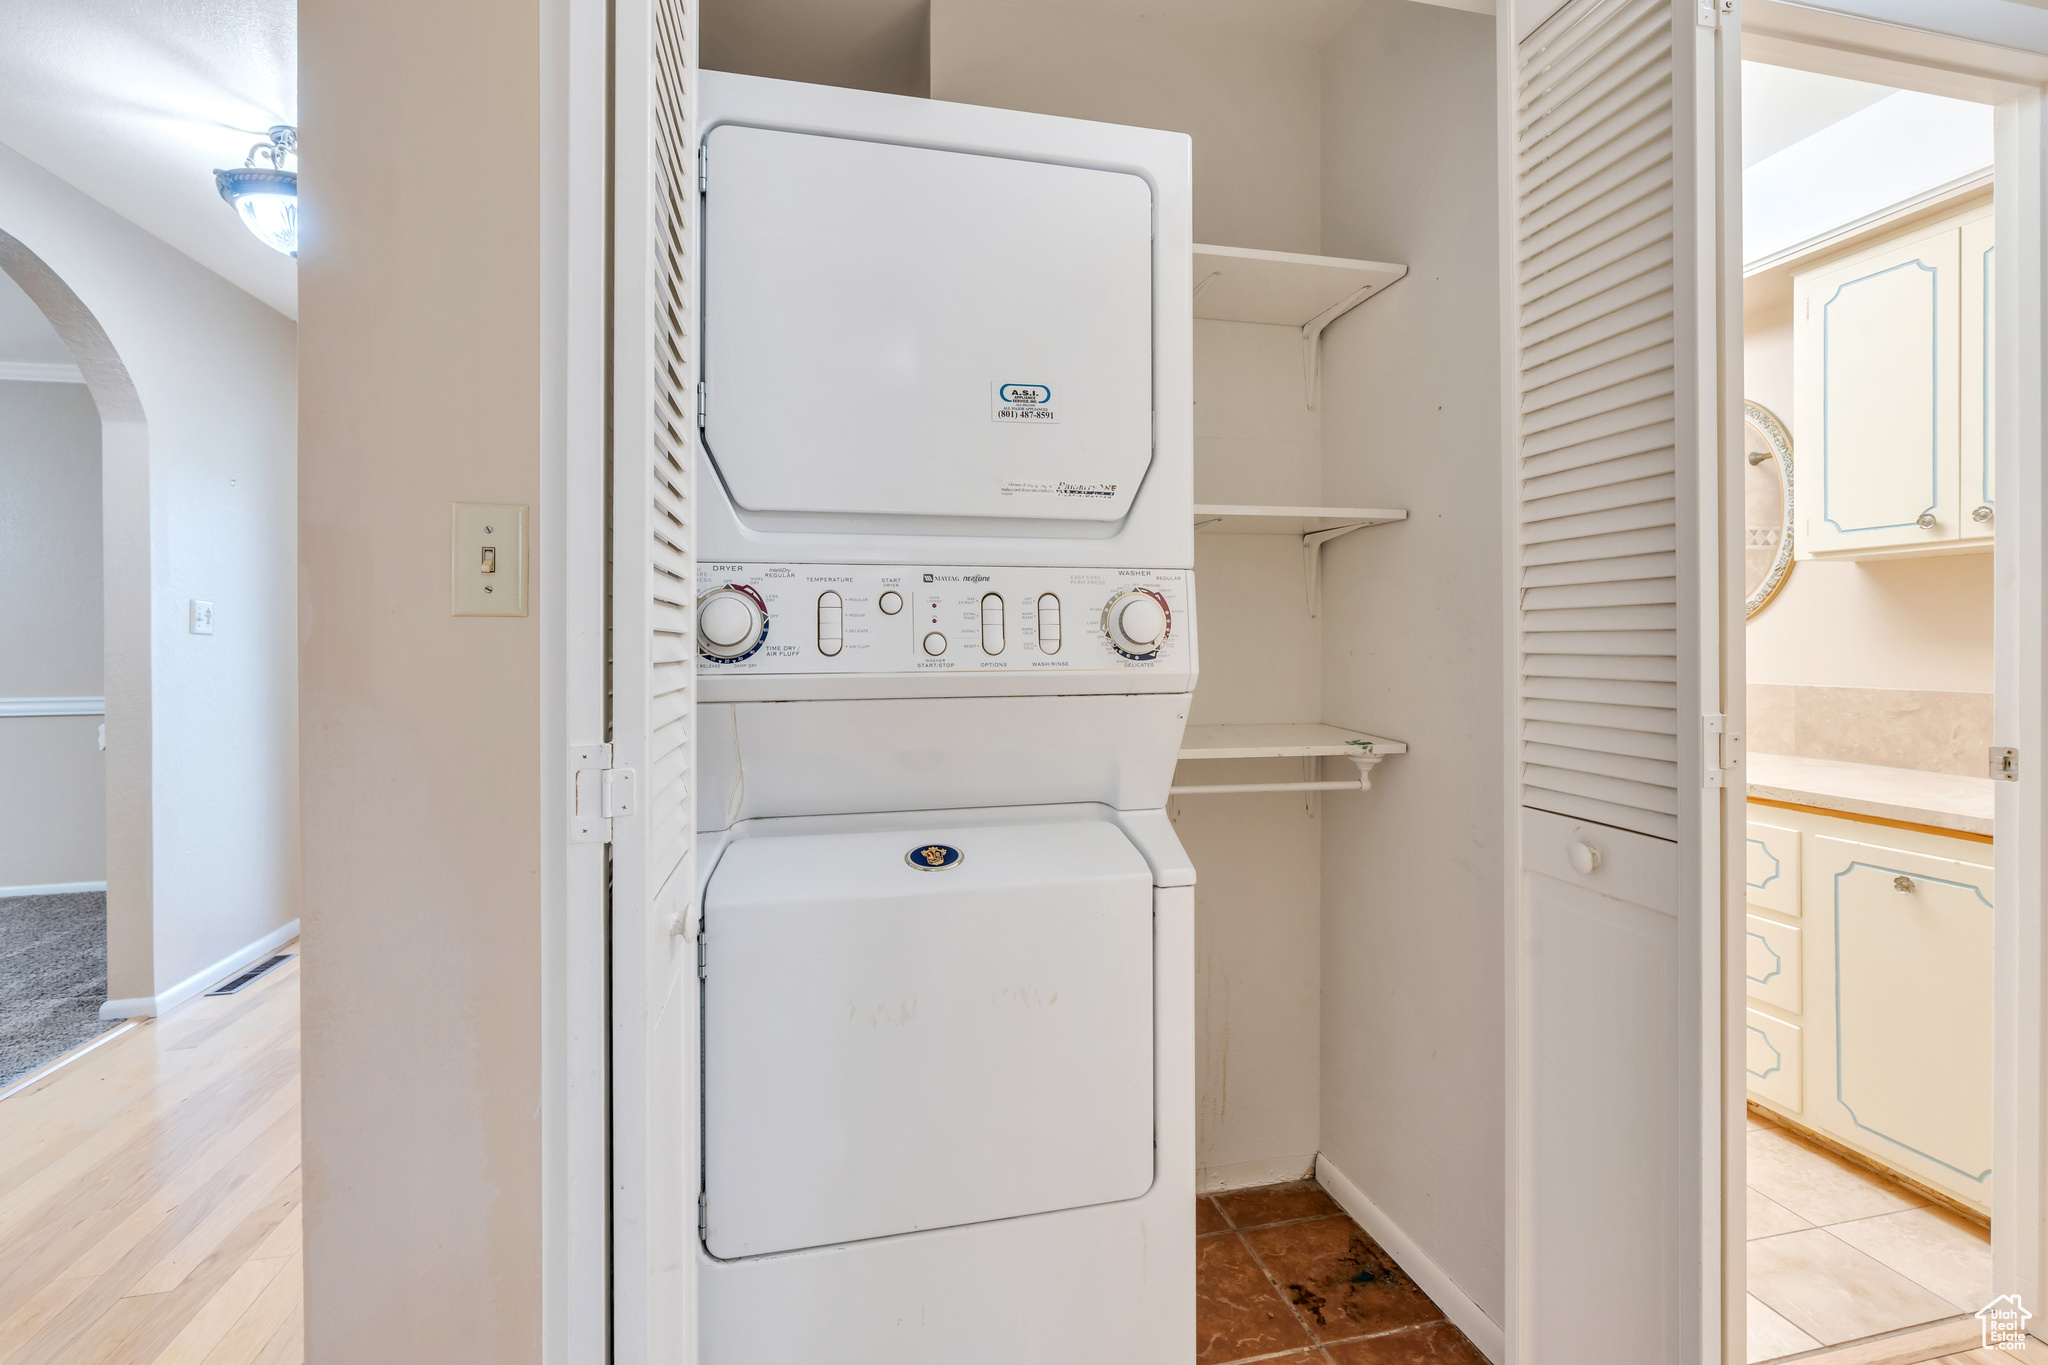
<point x="946" y="640"/>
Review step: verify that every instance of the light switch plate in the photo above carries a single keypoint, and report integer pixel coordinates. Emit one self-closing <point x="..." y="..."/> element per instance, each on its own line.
<point x="487" y="561"/>
<point x="200" y="620"/>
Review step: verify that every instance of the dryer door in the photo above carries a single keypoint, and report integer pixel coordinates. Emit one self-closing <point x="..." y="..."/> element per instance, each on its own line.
<point x="901" y="330"/>
<point x="891" y="1046"/>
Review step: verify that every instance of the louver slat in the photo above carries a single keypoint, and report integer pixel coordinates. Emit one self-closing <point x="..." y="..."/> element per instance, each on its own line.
<point x="1595" y="406"/>
<point x="672" y="608"/>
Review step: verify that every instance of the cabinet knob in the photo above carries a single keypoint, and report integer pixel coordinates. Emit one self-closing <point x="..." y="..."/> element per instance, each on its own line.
<point x="1902" y="883"/>
<point x="1981" y="515"/>
<point x="1585" y="859"/>
<point x="1925" y="521"/>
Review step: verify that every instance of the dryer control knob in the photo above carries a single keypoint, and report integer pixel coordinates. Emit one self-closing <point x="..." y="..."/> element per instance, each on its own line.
<point x="731" y="623"/>
<point x="1136" y="622"/>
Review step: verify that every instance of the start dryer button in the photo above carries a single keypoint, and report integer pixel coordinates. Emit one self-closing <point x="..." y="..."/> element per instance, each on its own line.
<point x="891" y="603"/>
<point x="934" y="644"/>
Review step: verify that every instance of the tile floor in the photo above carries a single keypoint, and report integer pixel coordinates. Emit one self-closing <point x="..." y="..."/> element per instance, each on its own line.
<point x="1283" y="1275"/>
<point x="1837" y="1253"/>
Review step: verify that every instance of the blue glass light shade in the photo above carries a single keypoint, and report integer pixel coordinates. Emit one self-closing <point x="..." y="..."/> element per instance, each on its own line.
<point x="268" y="201"/>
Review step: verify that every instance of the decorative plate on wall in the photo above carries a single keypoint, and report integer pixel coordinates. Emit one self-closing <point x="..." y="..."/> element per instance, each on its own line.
<point x="1767" y="507"/>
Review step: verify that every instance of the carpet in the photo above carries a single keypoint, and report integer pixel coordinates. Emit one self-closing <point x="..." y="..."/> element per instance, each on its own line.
<point x="53" y="977"/>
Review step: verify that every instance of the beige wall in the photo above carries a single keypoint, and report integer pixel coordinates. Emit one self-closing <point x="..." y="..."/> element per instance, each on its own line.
<point x="1886" y="661"/>
<point x="1251" y="106"/>
<point x="420" y="332"/>
<point x="195" y="383"/>
<point x="52" y="779"/>
<point x="1413" y="1035"/>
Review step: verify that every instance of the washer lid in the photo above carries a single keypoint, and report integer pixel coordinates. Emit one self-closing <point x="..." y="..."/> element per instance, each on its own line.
<point x="902" y="330"/>
<point x="919" y="1029"/>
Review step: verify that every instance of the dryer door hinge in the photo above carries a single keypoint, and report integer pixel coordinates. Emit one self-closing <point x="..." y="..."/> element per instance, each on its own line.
<point x="1721" y="752"/>
<point x="703" y="402"/>
<point x="602" y="793"/>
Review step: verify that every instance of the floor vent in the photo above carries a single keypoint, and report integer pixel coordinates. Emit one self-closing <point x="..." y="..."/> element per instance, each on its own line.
<point x="230" y="987"/>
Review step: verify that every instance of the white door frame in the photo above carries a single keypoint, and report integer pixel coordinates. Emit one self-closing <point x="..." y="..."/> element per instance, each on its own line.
<point x="569" y="597"/>
<point x="1994" y="52"/>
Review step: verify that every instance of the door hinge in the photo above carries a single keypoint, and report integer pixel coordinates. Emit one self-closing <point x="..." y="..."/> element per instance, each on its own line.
<point x="703" y="1215"/>
<point x="602" y="793"/>
<point x="2005" y="764"/>
<point x="1712" y="10"/>
<point x="703" y="402"/>
<point x="703" y="952"/>
<point x="1721" y="750"/>
<point x="703" y="169"/>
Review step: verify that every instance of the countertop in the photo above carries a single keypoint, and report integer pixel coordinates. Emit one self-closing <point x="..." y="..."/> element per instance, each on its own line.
<point x="1944" y="800"/>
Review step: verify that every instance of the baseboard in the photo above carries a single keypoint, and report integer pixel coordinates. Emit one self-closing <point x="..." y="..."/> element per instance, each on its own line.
<point x="51" y="889"/>
<point x="1469" y="1318"/>
<point x="1245" y="1174"/>
<point x="155" y="1006"/>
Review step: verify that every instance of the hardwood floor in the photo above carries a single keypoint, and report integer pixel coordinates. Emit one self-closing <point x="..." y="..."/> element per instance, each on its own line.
<point x="149" y="1193"/>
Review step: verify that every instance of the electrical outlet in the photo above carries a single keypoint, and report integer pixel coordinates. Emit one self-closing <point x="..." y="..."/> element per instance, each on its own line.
<point x="201" y="620"/>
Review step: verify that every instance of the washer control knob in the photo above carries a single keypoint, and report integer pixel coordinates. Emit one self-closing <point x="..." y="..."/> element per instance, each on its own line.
<point x="731" y="623"/>
<point x="1136" y="621"/>
<point x="934" y="644"/>
<point x="890" y="603"/>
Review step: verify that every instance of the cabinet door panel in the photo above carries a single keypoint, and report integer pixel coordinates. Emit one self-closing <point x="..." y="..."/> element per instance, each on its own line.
<point x="1899" y="973"/>
<point x="1774" y="868"/>
<point x="1774" y="1061"/>
<point x="1875" y="378"/>
<point x="1978" y="467"/>
<point x="1773" y="967"/>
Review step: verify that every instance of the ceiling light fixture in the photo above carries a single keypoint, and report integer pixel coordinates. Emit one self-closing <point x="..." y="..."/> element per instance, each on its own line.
<point x="267" y="197"/>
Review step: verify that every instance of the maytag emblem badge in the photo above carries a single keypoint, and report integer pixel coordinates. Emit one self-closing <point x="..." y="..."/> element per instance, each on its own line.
<point x="933" y="857"/>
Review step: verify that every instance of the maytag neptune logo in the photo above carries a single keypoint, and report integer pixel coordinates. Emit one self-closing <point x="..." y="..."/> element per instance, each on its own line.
<point x="933" y="857"/>
<point x="1031" y="403"/>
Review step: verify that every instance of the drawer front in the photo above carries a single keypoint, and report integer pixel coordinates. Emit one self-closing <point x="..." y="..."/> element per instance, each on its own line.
<point x="1774" y="1061"/>
<point x="1774" y="963"/>
<point x="1774" y="868"/>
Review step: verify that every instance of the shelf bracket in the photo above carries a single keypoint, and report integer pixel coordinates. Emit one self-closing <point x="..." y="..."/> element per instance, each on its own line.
<point x="1312" y="543"/>
<point x="1312" y="341"/>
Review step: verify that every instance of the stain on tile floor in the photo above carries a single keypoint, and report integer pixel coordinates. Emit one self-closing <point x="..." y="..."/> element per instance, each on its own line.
<point x="1280" y="1268"/>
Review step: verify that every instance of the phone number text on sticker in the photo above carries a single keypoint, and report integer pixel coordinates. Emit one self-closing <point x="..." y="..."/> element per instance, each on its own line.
<point x="1029" y="403"/>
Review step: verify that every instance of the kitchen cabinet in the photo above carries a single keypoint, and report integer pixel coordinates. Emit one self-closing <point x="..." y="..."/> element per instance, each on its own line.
<point x="1870" y="994"/>
<point x="1891" y="395"/>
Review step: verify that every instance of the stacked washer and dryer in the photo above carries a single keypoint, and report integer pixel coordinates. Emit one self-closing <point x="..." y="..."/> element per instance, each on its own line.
<point x="947" y="643"/>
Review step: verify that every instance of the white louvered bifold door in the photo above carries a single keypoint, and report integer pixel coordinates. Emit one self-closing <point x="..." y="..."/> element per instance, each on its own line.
<point x="1617" y="425"/>
<point x="655" y="1173"/>
<point x="1598" y="505"/>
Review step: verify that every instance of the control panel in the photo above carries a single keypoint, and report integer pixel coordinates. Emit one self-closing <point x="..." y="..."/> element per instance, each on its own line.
<point x="865" y="618"/>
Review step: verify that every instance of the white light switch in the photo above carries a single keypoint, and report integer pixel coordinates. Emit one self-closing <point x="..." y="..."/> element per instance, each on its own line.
<point x="487" y="565"/>
<point x="201" y="620"/>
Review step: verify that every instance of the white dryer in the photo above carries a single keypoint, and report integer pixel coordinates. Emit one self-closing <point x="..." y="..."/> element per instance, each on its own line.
<point x="946" y="639"/>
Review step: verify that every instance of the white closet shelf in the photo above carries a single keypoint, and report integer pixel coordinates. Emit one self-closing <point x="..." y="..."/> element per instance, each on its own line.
<point x="1239" y="284"/>
<point x="1315" y="525"/>
<point x="1282" y="741"/>
<point x="1216" y="519"/>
